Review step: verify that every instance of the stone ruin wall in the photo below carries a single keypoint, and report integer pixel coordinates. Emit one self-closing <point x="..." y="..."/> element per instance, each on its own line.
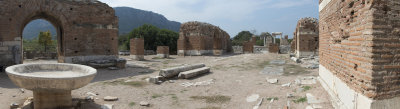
<point x="87" y="29"/>
<point x="360" y="45"/>
<point x="163" y="50"/>
<point x="306" y="37"/>
<point x="197" y="38"/>
<point x="248" y="46"/>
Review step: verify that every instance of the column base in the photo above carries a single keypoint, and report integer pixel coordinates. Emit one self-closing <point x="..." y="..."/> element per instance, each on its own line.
<point x="52" y="100"/>
<point x="137" y="57"/>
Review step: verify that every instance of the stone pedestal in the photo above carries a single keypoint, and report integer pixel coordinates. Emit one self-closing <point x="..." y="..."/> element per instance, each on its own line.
<point x="137" y="49"/>
<point x="52" y="99"/>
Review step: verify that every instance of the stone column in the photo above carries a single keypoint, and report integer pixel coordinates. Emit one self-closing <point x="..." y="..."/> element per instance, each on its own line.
<point x="137" y="49"/>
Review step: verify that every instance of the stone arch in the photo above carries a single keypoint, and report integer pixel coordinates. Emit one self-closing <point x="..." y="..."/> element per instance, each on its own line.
<point x="87" y="30"/>
<point x="56" y="22"/>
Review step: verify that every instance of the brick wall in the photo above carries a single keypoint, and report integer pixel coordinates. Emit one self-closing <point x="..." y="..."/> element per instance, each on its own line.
<point x="137" y="46"/>
<point x="360" y="44"/>
<point x="273" y="48"/>
<point x="306" y="35"/>
<point x="84" y="28"/>
<point x="203" y="36"/>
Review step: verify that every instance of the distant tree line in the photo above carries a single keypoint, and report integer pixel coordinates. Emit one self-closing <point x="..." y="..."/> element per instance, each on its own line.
<point x="153" y="37"/>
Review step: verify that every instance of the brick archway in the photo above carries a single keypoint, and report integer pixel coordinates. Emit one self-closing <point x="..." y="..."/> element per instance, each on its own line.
<point x="87" y="30"/>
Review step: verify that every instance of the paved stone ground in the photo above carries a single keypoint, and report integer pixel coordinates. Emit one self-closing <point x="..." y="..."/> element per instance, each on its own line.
<point x="232" y="80"/>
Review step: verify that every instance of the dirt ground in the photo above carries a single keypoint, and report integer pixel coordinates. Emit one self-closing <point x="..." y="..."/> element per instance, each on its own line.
<point x="235" y="78"/>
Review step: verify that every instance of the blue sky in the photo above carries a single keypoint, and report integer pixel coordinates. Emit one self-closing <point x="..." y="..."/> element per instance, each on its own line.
<point x="231" y="15"/>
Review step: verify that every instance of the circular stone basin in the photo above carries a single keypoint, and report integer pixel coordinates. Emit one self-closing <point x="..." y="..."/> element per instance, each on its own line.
<point x="51" y="83"/>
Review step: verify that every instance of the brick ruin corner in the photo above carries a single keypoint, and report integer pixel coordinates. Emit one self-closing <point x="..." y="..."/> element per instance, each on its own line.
<point x="359" y="49"/>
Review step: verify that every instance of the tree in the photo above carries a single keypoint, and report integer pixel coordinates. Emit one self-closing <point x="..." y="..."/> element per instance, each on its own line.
<point x="45" y="39"/>
<point x="153" y="37"/>
<point x="242" y="37"/>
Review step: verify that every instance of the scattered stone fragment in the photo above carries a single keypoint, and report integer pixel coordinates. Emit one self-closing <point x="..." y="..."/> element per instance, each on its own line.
<point x="296" y="60"/>
<point x="315" y="106"/>
<point x="311" y="99"/>
<point x="172" y="72"/>
<point x="91" y="94"/>
<point x="309" y="107"/>
<point x="107" y="106"/>
<point x="110" y="98"/>
<point x="272" y="81"/>
<point x="112" y="68"/>
<point x="193" y="73"/>
<point x="258" y="104"/>
<point x="286" y="85"/>
<point x="156" y="79"/>
<point x="144" y="103"/>
<point x="28" y="101"/>
<point x="308" y="80"/>
<point x="171" y="81"/>
<point x="289" y="95"/>
<point x="252" y="98"/>
<point x="272" y="100"/>
<point x="22" y="90"/>
<point x="89" y="99"/>
<point x="14" y="105"/>
<point x="202" y="83"/>
<point x="14" y="96"/>
<point x="313" y="66"/>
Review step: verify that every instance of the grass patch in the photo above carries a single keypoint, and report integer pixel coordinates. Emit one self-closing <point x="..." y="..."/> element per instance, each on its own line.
<point x="275" y="98"/>
<point x="132" y="104"/>
<point x="213" y="99"/>
<point x="135" y="83"/>
<point x="263" y="64"/>
<point x="184" y="90"/>
<point x="156" y="96"/>
<point x="210" y="108"/>
<point x="157" y="58"/>
<point x="306" y="88"/>
<point x="300" y="100"/>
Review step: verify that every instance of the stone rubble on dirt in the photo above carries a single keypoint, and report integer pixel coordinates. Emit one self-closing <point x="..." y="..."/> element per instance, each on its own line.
<point x="272" y="81"/>
<point x="286" y="85"/>
<point x="315" y="106"/>
<point x="144" y="103"/>
<point x="110" y="98"/>
<point x="289" y="95"/>
<point x="107" y="106"/>
<point x="273" y="70"/>
<point x="14" y="105"/>
<point x="252" y="98"/>
<point x="22" y="90"/>
<point x="202" y="83"/>
<point x="258" y="104"/>
<point x="156" y="79"/>
<point x="277" y="62"/>
<point x="311" y="99"/>
<point x="112" y="68"/>
<point x="306" y="80"/>
<point x="89" y="99"/>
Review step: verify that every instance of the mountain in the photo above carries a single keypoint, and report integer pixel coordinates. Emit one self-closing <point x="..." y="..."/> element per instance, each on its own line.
<point x="129" y="19"/>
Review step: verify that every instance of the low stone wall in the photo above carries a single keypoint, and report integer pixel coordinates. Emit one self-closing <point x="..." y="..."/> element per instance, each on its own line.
<point x="237" y="49"/>
<point x="260" y="49"/>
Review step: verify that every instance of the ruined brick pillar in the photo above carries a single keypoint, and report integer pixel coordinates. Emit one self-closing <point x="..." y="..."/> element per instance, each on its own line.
<point x="273" y="48"/>
<point x="137" y="49"/>
<point x="217" y="47"/>
<point x="163" y="51"/>
<point x="360" y="52"/>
